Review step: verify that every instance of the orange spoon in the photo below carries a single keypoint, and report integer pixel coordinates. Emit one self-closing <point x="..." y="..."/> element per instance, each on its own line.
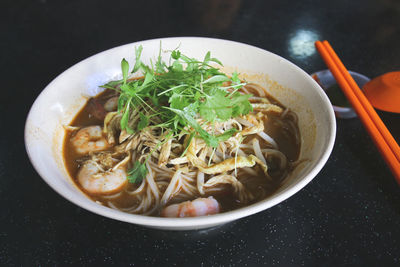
<point x="383" y="92"/>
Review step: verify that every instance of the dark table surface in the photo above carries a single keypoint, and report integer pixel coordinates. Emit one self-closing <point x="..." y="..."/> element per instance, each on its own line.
<point x="348" y="215"/>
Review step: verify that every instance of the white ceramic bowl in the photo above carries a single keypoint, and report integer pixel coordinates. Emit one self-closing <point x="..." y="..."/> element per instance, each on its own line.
<point x="66" y="94"/>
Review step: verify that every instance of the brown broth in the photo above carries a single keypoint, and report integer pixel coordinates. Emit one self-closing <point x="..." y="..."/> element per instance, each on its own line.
<point x="279" y="129"/>
<point x="82" y="118"/>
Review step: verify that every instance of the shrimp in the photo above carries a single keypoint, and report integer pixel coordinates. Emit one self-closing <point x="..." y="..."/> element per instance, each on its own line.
<point x="96" y="181"/>
<point x="96" y="109"/>
<point x="89" y="139"/>
<point x="111" y="104"/>
<point x="197" y="207"/>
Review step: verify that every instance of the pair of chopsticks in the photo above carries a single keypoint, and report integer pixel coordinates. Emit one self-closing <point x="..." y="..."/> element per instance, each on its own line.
<point x="381" y="136"/>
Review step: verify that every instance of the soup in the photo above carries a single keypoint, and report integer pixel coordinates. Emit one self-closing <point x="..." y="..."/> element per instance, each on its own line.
<point x="183" y="140"/>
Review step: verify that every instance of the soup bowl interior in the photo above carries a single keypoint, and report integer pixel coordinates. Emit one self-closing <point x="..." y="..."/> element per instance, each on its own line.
<point x="59" y="102"/>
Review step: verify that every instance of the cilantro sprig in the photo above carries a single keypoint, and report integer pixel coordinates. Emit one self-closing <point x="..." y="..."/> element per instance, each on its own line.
<point x="179" y="93"/>
<point x="137" y="173"/>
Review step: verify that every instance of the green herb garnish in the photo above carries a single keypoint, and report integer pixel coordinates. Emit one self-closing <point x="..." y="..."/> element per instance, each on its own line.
<point x="137" y="173"/>
<point x="179" y="93"/>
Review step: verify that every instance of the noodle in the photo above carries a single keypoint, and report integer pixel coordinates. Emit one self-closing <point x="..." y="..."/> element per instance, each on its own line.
<point x="200" y="182"/>
<point x="268" y="138"/>
<point x="257" y="150"/>
<point x="173" y="187"/>
<point x="184" y="168"/>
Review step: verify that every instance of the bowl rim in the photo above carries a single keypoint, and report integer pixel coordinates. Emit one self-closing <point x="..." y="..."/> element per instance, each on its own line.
<point x="192" y="222"/>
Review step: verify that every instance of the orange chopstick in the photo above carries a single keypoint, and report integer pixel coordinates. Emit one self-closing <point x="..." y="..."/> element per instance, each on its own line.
<point x="365" y="103"/>
<point x="381" y="136"/>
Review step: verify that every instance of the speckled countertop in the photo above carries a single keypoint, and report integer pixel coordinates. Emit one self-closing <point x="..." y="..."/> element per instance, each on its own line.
<point x="348" y="215"/>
